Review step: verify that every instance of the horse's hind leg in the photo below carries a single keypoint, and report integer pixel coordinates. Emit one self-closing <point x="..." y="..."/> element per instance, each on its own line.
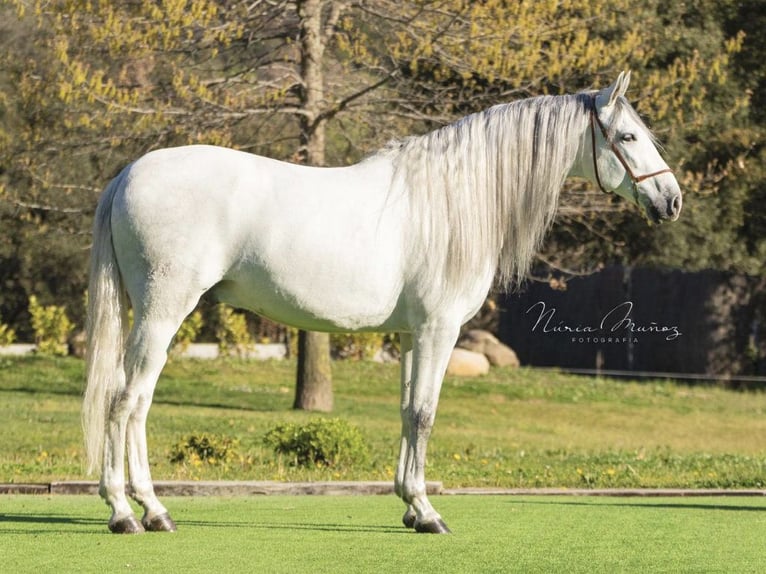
<point x="145" y="357"/>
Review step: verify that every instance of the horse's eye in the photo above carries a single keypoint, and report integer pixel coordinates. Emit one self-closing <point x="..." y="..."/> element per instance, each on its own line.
<point x="628" y="137"/>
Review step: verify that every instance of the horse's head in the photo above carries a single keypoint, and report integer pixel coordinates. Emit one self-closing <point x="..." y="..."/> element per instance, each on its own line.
<point x="625" y="159"/>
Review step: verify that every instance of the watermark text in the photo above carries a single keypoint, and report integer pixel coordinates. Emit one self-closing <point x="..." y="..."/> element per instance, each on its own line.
<point x="615" y="326"/>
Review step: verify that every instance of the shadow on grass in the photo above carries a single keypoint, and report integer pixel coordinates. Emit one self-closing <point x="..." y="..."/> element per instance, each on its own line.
<point x="23" y="524"/>
<point x="33" y="390"/>
<point x="266" y="405"/>
<point x="647" y="504"/>
<point x="8" y="521"/>
<point x="368" y="528"/>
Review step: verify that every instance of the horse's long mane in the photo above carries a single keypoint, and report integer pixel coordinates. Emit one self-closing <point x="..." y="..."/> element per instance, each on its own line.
<point x="485" y="189"/>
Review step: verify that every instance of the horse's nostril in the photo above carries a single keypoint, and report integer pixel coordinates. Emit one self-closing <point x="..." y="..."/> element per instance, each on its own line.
<point x="674" y="206"/>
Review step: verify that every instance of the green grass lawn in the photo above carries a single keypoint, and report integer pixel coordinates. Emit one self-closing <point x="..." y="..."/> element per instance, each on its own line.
<point x="317" y="534"/>
<point x="513" y="428"/>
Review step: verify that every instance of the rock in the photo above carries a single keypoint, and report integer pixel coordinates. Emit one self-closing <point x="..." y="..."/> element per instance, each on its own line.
<point x="486" y="343"/>
<point x="501" y="355"/>
<point x="476" y="340"/>
<point x="465" y="363"/>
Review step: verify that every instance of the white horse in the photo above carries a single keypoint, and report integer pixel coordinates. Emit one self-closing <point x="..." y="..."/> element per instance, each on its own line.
<point x="408" y="240"/>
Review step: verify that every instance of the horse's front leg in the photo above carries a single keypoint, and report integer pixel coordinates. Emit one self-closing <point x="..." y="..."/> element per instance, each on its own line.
<point x="405" y="346"/>
<point x="431" y="348"/>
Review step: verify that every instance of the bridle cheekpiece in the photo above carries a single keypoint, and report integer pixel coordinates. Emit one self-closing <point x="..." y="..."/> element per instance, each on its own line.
<point x="636" y="179"/>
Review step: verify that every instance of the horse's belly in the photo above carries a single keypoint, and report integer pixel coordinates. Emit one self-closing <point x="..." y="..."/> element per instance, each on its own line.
<point x="317" y="303"/>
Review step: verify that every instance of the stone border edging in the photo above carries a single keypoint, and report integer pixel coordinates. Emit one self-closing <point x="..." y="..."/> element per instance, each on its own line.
<point x="329" y="488"/>
<point x="626" y="492"/>
<point x="224" y="488"/>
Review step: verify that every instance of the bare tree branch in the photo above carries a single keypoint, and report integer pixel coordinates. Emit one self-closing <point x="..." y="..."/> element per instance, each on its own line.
<point x="41" y="207"/>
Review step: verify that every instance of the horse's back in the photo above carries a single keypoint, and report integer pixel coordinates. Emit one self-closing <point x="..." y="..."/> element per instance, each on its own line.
<point x="222" y="182"/>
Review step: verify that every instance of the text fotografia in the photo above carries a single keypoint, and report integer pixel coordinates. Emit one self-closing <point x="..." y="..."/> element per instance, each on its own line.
<point x="616" y="326"/>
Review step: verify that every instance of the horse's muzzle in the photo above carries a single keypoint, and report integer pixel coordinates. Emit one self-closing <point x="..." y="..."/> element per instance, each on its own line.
<point x="666" y="209"/>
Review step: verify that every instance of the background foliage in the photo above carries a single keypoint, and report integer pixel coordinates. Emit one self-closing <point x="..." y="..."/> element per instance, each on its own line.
<point x="86" y="87"/>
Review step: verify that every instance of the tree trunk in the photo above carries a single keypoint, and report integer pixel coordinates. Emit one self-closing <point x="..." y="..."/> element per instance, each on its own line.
<point x="313" y="388"/>
<point x="313" y="391"/>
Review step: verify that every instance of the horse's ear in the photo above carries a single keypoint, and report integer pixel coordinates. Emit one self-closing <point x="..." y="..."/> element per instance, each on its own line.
<point x="608" y="96"/>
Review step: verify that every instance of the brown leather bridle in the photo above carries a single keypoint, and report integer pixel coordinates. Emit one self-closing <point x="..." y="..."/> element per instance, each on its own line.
<point x="636" y="179"/>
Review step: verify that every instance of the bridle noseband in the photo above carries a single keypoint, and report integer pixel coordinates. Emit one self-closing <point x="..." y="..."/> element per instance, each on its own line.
<point x="636" y="179"/>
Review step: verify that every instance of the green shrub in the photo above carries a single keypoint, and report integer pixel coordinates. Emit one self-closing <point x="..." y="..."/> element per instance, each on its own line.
<point x="231" y="331"/>
<point x="51" y="326"/>
<point x="320" y="442"/>
<point x="7" y="335"/>
<point x="188" y="332"/>
<point x="291" y="336"/>
<point x="355" y="345"/>
<point x="204" y="448"/>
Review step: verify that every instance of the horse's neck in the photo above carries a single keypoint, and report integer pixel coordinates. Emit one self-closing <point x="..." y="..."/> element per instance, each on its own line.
<point x="582" y="165"/>
<point x="583" y="162"/>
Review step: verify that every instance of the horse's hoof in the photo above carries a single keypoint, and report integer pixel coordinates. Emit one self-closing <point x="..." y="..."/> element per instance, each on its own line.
<point x="433" y="527"/>
<point x="160" y="523"/>
<point x="409" y="518"/>
<point x="127" y="525"/>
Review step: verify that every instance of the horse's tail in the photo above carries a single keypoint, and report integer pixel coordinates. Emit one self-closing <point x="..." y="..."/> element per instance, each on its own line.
<point x="106" y="327"/>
